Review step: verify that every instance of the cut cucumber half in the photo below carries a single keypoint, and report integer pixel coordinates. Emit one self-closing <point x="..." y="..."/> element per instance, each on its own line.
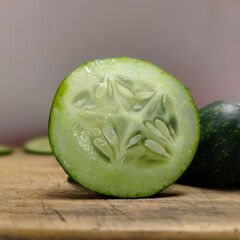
<point x="4" y="150"/>
<point x="38" y="146"/>
<point x="123" y="127"/>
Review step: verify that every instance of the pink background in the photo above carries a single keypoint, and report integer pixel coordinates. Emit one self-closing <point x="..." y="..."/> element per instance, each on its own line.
<point x="42" y="41"/>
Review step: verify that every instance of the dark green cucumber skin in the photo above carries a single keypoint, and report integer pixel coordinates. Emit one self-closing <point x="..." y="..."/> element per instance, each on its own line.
<point x="37" y="152"/>
<point x="6" y="153"/>
<point x="217" y="160"/>
<point x="72" y="181"/>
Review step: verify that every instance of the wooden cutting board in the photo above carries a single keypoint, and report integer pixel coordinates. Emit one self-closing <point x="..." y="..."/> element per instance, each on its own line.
<point x="37" y="202"/>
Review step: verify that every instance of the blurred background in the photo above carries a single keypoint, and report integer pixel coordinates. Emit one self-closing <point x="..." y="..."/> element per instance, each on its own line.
<point x="42" y="41"/>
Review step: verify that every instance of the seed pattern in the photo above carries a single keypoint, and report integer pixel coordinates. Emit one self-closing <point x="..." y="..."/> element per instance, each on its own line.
<point x="156" y="147"/>
<point x="101" y="90"/>
<point x="124" y="98"/>
<point x="153" y="129"/>
<point x="171" y="130"/>
<point x="167" y="104"/>
<point x="80" y="102"/>
<point x="163" y="128"/>
<point x="134" y="140"/>
<point x="164" y="100"/>
<point x="109" y="85"/>
<point x="124" y="91"/>
<point x="144" y="95"/>
<point x="102" y="145"/>
<point x="110" y="135"/>
<point x="151" y="107"/>
<point x="137" y="107"/>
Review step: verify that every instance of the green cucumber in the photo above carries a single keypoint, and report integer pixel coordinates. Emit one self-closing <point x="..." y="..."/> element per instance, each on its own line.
<point x="217" y="161"/>
<point x="123" y="127"/>
<point x="38" y="146"/>
<point x="4" y="150"/>
<point x="70" y="180"/>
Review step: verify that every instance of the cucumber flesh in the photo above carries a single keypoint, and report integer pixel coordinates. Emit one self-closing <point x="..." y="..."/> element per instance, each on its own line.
<point x="38" y="146"/>
<point x="123" y="127"/>
<point x="4" y="150"/>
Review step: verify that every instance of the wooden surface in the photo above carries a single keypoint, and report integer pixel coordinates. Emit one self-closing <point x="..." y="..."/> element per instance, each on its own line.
<point x="37" y="202"/>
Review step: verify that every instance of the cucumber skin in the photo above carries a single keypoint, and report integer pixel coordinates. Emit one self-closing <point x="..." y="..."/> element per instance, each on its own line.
<point x="217" y="161"/>
<point x="6" y="151"/>
<point x="37" y="152"/>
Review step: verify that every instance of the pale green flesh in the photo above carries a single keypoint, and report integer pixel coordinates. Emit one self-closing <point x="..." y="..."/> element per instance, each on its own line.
<point x="5" y="150"/>
<point x="38" y="146"/>
<point x="123" y="127"/>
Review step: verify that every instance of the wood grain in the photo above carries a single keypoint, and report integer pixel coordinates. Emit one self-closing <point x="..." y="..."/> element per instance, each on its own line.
<point x="37" y="202"/>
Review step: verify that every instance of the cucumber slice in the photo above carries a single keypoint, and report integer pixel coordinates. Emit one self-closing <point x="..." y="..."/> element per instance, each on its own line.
<point x="4" y="150"/>
<point x="123" y="127"/>
<point x="38" y="146"/>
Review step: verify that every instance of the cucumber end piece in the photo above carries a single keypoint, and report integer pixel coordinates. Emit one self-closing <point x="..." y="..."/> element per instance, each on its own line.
<point x="38" y="145"/>
<point x="5" y="150"/>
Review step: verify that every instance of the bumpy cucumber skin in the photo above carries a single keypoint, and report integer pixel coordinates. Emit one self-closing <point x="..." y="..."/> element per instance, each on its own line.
<point x="6" y="151"/>
<point x="28" y="148"/>
<point x="60" y="91"/>
<point x="217" y="161"/>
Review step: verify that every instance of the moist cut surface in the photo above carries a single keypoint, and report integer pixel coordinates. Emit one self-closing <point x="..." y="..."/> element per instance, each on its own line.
<point x="123" y="127"/>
